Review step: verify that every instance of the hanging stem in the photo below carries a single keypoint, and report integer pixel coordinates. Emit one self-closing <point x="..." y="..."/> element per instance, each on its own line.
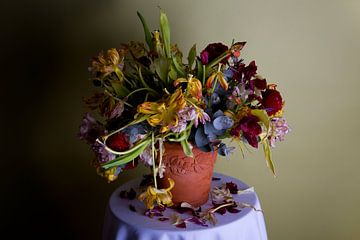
<point x="161" y="151"/>
<point x="153" y="158"/>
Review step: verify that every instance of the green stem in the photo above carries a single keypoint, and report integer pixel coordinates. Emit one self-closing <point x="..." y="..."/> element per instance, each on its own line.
<point x="153" y="158"/>
<point x="218" y="59"/>
<point x="203" y="75"/>
<point x="154" y="93"/>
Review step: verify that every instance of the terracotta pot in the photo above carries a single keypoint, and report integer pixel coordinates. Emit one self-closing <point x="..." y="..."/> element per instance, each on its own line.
<point x="192" y="176"/>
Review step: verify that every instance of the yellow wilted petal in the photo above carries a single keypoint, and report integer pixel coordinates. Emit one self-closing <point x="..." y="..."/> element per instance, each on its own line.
<point x="178" y="81"/>
<point x="222" y="81"/>
<point x="210" y="81"/>
<point x="195" y="88"/>
<point x="172" y="184"/>
<point x="149" y="108"/>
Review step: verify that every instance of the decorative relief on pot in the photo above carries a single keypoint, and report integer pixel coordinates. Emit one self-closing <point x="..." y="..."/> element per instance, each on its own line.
<point x="184" y="165"/>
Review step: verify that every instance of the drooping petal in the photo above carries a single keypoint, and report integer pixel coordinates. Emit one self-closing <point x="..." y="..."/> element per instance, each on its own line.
<point x="179" y="80"/>
<point x="210" y="81"/>
<point x="195" y="88"/>
<point x="222" y="81"/>
<point x="149" y="107"/>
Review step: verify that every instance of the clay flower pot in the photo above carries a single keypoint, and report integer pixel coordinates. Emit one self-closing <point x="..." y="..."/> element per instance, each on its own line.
<point x="192" y="176"/>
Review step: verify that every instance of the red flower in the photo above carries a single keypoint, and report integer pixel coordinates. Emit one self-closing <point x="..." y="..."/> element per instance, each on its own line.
<point x="250" y="130"/>
<point x="212" y="51"/>
<point x="118" y="142"/>
<point x="250" y="70"/>
<point x="272" y="101"/>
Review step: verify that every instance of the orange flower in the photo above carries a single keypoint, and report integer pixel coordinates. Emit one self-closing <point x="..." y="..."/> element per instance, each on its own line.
<point x="219" y="76"/>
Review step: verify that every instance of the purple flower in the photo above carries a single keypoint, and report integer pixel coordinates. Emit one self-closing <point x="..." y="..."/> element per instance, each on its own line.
<point x="90" y="129"/>
<point x="102" y="155"/>
<point x="146" y="156"/>
<point x="184" y="115"/>
<point x="279" y="128"/>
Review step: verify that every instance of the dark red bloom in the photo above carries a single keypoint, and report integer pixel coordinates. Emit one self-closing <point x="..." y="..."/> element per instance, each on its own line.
<point x="131" y="165"/>
<point x="233" y="188"/>
<point x="250" y="70"/>
<point x="272" y="101"/>
<point x="118" y="142"/>
<point x="250" y="129"/>
<point x="238" y="71"/>
<point x="259" y="83"/>
<point x="211" y="52"/>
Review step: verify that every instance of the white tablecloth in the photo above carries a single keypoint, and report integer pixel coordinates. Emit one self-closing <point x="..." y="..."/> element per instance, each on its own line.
<point x="122" y="224"/>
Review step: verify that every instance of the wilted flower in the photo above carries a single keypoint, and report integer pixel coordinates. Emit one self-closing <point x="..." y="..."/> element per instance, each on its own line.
<point x="105" y="64"/>
<point x="194" y="87"/>
<point x="110" y="174"/>
<point x="250" y="129"/>
<point x="212" y="51"/>
<point x="160" y="196"/>
<point x="90" y="129"/>
<point x="186" y="114"/>
<point x="272" y="101"/>
<point x="118" y="142"/>
<point x="219" y="76"/>
<point x="164" y="113"/>
<point x="102" y="155"/>
<point x="220" y="195"/>
<point x="279" y="128"/>
<point x="201" y="116"/>
<point x="146" y="156"/>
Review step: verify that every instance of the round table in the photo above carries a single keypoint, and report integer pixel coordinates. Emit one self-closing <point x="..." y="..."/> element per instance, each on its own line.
<point x="123" y="223"/>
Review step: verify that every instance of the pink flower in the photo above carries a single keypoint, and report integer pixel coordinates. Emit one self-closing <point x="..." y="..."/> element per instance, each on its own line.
<point x="279" y="128"/>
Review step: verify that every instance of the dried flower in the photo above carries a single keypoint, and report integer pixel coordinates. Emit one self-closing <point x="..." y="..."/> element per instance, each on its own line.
<point x="160" y="196"/>
<point x="212" y="51"/>
<point x="90" y="129"/>
<point x="164" y="113"/>
<point x="279" y="128"/>
<point x="272" y="101"/>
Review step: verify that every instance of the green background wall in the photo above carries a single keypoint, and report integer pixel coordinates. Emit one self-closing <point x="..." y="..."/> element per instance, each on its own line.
<point x="310" y="48"/>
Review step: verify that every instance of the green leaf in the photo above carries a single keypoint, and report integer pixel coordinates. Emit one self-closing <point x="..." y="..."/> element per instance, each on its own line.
<point x="119" y="88"/>
<point x="199" y="71"/>
<point x="162" y="67"/>
<point x="179" y="67"/>
<point x="217" y="60"/>
<point x="187" y="148"/>
<point x="264" y="118"/>
<point x="165" y="31"/>
<point x="148" y="37"/>
<point x="127" y="157"/>
<point x="268" y="157"/>
<point x="192" y="56"/>
<point x="173" y="73"/>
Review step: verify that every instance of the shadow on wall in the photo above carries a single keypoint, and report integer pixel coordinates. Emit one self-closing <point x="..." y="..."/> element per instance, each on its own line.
<point x="51" y="191"/>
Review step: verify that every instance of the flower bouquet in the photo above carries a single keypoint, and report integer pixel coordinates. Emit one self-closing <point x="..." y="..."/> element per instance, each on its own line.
<point x="150" y="101"/>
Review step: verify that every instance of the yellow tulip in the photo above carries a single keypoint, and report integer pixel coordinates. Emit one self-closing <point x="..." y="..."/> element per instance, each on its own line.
<point x="164" y="113"/>
<point x="160" y="196"/>
<point x="194" y="87"/>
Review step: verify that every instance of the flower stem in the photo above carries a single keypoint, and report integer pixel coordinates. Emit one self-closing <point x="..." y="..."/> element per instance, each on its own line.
<point x="153" y="158"/>
<point x="221" y="206"/>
